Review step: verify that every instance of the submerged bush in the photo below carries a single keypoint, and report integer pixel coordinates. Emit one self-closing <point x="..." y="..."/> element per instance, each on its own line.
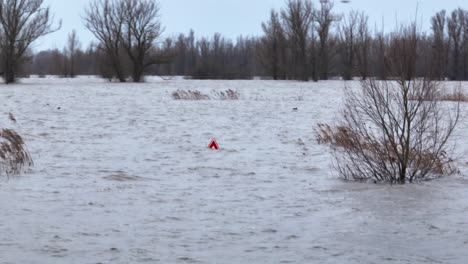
<point x="393" y="131"/>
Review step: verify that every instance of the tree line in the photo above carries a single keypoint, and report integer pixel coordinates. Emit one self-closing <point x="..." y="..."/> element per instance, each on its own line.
<point x="304" y="40"/>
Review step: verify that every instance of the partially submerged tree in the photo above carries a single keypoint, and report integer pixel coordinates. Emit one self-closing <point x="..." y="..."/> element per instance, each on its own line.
<point x="105" y="19"/>
<point x="142" y="28"/>
<point x="127" y="28"/>
<point x="394" y="131"/>
<point x="22" y="23"/>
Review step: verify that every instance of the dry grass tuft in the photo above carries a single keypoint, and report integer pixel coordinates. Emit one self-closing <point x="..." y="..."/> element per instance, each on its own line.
<point x="14" y="156"/>
<point x="455" y="96"/>
<point x="189" y="95"/>
<point x="325" y="134"/>
<point x="197" y="95"/>
<point x="228" y="95"/>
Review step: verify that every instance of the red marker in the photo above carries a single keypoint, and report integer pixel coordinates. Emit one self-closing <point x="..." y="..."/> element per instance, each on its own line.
<point x="213" y="145"/>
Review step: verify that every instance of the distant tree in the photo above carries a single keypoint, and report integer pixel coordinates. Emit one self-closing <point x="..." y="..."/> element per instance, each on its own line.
<point x="142" y="27"/>
<point x="273" y="45"/>
<point x="464" y="46"/>
<point x="180" y="61"/>
<point x="324" y="18"/>
<point x="105" y="19"/>
<point x="362" y="47"/>
<point x="130" y="27"/>
<point x="73" y="47"/>
<point x="347" y="36"/>
<point x="402" y="54"/>
<point x="455" y="30"/>
<point x="168" y="47"/>
<point x="379" y="49"/>
<point x="297" y="17"/>
<point x="22" y="23"/>
<point x="439" y="45"/>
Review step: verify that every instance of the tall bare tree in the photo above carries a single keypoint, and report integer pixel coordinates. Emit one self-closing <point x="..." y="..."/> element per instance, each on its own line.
<point x="297" y="17"/>
<point x="347" y="37"/>
<point x="324" y="18"/>
<point x="439" y="46"/>
<point x="273" y="45"/>
<point x="455" y="30"/>
<point x="464" y="46"/>
<point x="142" y="26"/>
<point x="363" y="45"/>
<point x="22" y="23"/>
<point x="105" y="19"/>
<point x="73" y="45"/>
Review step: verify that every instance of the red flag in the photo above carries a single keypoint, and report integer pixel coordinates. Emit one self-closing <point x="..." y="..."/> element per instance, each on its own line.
<point x="213" y="145"/>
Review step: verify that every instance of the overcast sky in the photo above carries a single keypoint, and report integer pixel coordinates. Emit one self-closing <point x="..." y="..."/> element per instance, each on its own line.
<point x="240" y="17"/>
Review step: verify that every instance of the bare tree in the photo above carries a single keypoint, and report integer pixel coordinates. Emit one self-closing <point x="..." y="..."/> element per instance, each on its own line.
<point x="297" y="18"/>
<point x="105" y="19"/>
<point x="273" y="45"/>
<point x="394" y="131"/>
<point x="324" y="18"/>
<point x="73" y="45"/>
<point x="347" y="38"/>
<point x="464" y="46"/>
<point x="363" y="45"/>
<point x="142" y="28"/>
<point x="314" y="53"/>
<point x="22" y="22"/>
<point x="455" y="30"/>
<point x="379" y="50"/>
<point x="439" y="46"/>
<point x="402" y="53"/>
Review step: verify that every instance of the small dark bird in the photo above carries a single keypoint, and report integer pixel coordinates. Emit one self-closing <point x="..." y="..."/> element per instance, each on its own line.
<point x="58" y="108"/>
<point x="295" y="109"/>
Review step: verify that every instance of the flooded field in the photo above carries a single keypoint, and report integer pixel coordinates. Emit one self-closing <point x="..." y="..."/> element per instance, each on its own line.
<point x="123" y="175"/>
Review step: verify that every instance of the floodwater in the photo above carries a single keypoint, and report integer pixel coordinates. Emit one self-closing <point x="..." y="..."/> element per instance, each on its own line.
<point x="123" y="175"/>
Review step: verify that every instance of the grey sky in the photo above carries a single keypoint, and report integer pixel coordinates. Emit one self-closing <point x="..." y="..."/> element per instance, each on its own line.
<point x="236" y="17"/>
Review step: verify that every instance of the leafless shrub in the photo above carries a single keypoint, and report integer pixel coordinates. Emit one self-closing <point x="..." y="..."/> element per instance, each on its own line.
<point x="394" y="131"/>
<point x="189" y="95"/>
<point x="384" y="135"/>
<point x="14" y="156"/>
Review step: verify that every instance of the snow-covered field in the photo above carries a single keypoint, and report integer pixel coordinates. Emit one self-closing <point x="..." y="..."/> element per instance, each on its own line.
<point x="123" y="175"/>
